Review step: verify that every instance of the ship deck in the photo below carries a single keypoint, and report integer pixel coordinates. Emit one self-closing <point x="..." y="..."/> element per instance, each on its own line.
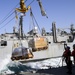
<point x="50" y="71"/>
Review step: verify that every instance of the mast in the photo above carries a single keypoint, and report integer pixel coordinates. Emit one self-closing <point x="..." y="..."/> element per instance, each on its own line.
<point x="54" y="32"/>
<point x="15" y="30"/>
<point x="21" y="27"/>
<point x="23" y="9"/>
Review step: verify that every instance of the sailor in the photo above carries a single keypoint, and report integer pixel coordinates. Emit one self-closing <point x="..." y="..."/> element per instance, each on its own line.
<point x="66" y="55"/>
<point x="73" y="53"/>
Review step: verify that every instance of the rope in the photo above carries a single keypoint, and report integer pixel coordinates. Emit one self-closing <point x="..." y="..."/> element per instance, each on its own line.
<point x="6" y="17"/>
<point x="7" y="23"/>
<point x="37" y="24"/>
<point x="59" y="62"/>
<point x="34" y="20"/>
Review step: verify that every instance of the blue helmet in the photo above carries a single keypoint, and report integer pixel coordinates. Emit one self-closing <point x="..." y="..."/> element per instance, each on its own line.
<point x="68" y="47"/>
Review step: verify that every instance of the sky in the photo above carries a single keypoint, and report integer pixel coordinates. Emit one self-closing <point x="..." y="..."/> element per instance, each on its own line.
<point x="60" y="11"/>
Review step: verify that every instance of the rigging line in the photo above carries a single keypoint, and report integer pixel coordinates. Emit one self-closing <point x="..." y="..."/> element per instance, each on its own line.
<point x="33" y="21"/>
<point x="7" y="16"/>
<point x="37" y="23"/>
<point x="7" y="23"/>
<point x="30" y="3"/>
<point x="12" y="18"/>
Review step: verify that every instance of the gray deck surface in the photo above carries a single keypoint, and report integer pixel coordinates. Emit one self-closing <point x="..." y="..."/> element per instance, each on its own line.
<point x="51" y="71"/>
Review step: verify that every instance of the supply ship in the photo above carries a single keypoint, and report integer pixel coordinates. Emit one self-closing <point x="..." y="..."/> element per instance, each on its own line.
<point x="34" y="46"/>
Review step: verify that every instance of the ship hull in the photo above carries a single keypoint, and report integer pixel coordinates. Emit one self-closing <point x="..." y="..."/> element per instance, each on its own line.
<point x="54" y="49"/>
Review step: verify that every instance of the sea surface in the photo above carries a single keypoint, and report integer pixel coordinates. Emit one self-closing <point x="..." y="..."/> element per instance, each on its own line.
<point x="9" y="67"/>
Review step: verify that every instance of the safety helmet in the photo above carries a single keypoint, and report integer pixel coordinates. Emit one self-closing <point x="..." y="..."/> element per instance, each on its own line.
<point x="68" y="47"/>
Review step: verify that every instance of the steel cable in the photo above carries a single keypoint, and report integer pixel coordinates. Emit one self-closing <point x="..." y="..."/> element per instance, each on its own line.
<point x="9" y="16"/>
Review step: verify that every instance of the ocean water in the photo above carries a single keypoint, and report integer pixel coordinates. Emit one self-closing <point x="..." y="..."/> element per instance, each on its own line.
<point x="9" y="67"/>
